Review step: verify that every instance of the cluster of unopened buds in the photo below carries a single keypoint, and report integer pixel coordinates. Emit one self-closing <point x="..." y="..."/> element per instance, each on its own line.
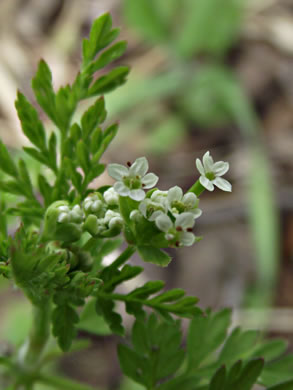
<point x="98" y="214"/>
<point x="172" y="212"/>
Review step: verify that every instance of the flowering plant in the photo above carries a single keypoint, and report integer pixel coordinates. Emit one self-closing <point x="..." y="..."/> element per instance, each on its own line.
<point x="56" y="257"/>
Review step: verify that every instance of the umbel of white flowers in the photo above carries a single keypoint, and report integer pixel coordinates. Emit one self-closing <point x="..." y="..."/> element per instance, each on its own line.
<point x="173" y="212"/>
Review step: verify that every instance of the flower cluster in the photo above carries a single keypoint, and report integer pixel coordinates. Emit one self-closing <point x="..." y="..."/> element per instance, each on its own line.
<point x="66" y="214"/>
<point x="99" y="215"/>
<point x="101" y="219"/>
<point x="172" y="211"/>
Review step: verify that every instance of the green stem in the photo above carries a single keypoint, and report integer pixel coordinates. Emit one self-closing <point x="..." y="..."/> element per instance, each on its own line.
<point x="197" y="188"/>
<point x="62" y="383"/>
<point x="125" y="255"/>
<point x="31" y="352"/>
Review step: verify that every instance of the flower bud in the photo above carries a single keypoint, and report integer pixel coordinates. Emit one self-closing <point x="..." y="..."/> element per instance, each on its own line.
<point x="61" y="223"/>
<point x="94" y="204"/>
<point x="111" y="197"/>
<point x="91" y="225"/>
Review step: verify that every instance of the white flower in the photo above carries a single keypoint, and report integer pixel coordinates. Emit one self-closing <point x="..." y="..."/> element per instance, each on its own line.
<point x="111" y="197"/>
<point x="151" y="209"/>
<point x="131" y="181"/>
<point x="179" y="203"/>
<point x="211" y="172"/>
<point x="178" y="233"/>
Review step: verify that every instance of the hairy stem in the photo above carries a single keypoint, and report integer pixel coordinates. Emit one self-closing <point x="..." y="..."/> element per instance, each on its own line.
<point x="31" y="352"/>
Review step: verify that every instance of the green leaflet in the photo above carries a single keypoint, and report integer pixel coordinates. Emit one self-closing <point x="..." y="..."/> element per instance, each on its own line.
<point x="242" y="378"/>
<point x="154" y="255"/>
<point x="114" y="320"/>
<point x="288" y="385"/>
<point x="43" y="89"/>
<point x="206" y="334"/>
<point x="31" y="125"/>
<point x="6" y="162"/>
<point x="108" y="83"/>
<point x="100" y="37"/>
<point x="64" y="319"/>
<point x="108" y="56"/>
<point x="156" y="351"/>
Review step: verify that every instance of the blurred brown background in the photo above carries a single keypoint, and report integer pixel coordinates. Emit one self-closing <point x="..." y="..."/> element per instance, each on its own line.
<point x="239" y="108"/>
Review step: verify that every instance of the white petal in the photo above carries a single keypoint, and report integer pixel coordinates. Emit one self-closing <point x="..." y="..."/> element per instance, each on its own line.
<point x="75" y="217"/>
<point x="134" y="215"/>
<point x="174" y="193"/>
<point x="163" y="222"/>
<point x="64" y="208"/>
<point x="87" y="205"/>
<point x="117" y="171"/>
<point x="63" y="217"/>
<point x="121" y="188"/>
<point x="196" y="213"/>
<point x="139" y="167"/>
<point x="187" y="238"/>
<point x="109" y="214"/>
<point x="199" y="166"/>
<point x="185" y="220"/>
<point x="155" y="215"/>
<point x="208" y="162"/>
<point x="159" y="196"/>
<point x="223" y="184"/>
<point x="149" y="180"/>
<point x="206" y="183"/>
<point x="190" y="199"/>
<point x="96" y="205"/>
<point x="143" y="207"/>
<point x="116" y="221"/>
<point x="220" y="168"/>
<point x="137" y="195"/>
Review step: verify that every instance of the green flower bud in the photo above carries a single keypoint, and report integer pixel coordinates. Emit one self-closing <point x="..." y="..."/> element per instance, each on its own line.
<point x="51" y="219"/>
<point x="61" y="223"/>
<point x="95" y="204"/>
<point x="91" y="225"/>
